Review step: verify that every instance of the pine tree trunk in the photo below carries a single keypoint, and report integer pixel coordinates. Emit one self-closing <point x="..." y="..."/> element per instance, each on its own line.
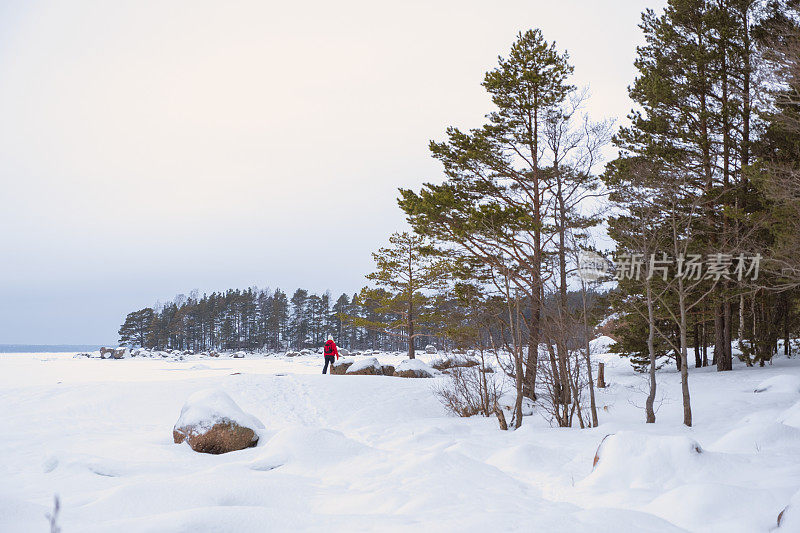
<point x="687" y="407"/>
<point x="592" y="401"/>
<point x="651" y="350"/>
<point x="697" y="361"/>
<point x="719" y="338"/>
<point x="727" y="333"/>
<point x="704" y="339"/>
<point x="532" y="361"/>
<point x="411" y="352"/>
<point x="740" y="331"/>
<point x="787" y="347"/>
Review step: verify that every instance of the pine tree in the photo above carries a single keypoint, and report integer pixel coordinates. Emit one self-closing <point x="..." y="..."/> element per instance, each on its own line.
<point x="135" y="330"/>
<point x="299" y="319"/>
<point x="494" y="207"/>
<point x="406" y="269"/>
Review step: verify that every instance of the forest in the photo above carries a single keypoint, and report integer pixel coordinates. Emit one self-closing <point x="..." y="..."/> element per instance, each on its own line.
<point x="255" y="320"/>
<point x="698" y="190"/>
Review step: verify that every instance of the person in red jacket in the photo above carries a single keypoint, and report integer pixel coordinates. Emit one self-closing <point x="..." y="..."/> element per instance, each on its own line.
<point x="331" y="354"/>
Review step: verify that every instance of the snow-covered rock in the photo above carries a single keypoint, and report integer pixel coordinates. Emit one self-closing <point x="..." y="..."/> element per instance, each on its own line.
<point x="430" y="349"/>
<point x="340" y="367"/>
<point x="413" y="368"/>
<point x="454" y="361"/>
<point x="211" y="422"/>
<point x="368" y="367"/>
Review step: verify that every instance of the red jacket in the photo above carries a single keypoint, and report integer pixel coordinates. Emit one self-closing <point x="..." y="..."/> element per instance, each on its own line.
<point x="330" y="349"/>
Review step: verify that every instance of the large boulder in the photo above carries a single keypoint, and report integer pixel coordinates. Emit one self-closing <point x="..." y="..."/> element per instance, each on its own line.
<point x="366" y="367"/>
<point x="211" y="422"/>
<point x="387" y="370"/>
<point x="106" y="352"/>
<point x="343" y="352"/>
<point x="413" y="368"/>
<point x="430" y="348"/>
<point x="119" y="353"/>
<point x="453" y="362"/>
<point x="340" y="367"/>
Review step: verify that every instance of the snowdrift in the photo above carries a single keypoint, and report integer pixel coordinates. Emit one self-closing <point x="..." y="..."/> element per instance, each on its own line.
<point x="633" y="460"/>
<point x="783" y="384"/>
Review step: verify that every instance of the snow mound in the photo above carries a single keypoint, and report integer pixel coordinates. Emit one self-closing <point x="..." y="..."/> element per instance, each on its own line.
<point x="632" y="460"/>
<point x="687" y="506"/>
<point x="365" y="365"/>
<point x="784" y="383"/>
<point x="755" y="434"/>
<point x="307" y="449"/>
<point x="601" y="344"/>
<point x="791" y="416"/>
<point x="208" y="407"/>
<point x="414" y="368"/>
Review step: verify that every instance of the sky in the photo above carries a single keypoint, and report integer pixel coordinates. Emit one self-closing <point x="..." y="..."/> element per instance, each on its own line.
<point x="151" y="148"/>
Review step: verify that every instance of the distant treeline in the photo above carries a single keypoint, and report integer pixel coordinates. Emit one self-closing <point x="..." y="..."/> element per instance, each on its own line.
<point x="256" y="319"/>
<point x="262" y="319"/>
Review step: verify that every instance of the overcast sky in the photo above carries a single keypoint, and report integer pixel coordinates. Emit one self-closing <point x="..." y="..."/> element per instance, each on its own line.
<point x="152" y="148"/>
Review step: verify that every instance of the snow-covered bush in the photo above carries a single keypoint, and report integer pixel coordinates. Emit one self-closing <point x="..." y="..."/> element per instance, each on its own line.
<point x="468" y="392"/>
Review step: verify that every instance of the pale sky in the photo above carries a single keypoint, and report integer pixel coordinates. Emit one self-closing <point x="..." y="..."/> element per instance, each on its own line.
<point x="152" y="148"/>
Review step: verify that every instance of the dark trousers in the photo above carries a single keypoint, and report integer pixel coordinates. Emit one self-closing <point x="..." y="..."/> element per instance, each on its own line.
<point x="328" y="359"/>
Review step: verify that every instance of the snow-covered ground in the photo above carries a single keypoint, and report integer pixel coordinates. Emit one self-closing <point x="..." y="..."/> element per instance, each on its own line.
<point x="375" y="453"/>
